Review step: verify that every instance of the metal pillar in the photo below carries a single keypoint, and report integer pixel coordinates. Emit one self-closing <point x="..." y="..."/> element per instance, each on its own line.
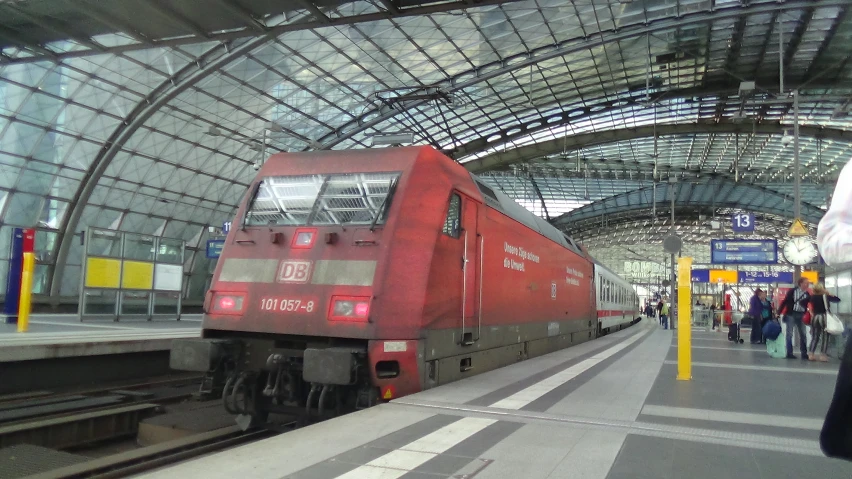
<point x="672" y="285"/>
<point x="781" y="52"/>
<point x="684" y="320"/>
<point x="797" y="178"/>
<point x="797" y="185"/>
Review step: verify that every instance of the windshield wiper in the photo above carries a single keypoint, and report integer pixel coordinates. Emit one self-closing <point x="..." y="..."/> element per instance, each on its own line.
<point x="386" y="201"/>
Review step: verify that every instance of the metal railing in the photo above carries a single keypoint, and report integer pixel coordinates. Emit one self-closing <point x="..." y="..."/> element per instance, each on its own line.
<point x="702" y="318"/>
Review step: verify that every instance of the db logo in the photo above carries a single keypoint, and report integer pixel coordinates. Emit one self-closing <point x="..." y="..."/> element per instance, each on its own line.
<point x="294" y="272"/>
<point x="553" y="289"/>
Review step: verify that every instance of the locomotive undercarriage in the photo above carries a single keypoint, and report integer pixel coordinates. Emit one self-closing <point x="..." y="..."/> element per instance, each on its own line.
<point x="312" y="378"/>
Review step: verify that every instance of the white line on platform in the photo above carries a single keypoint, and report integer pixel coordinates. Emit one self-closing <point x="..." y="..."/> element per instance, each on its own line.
<point x="539" y="389"/>
<point x="832" y="372"/>
<point x="76" y="338"/>
<point x="80" y="325"/>
<point x="780" y="443"/>
<point x="399" y="462"/>
<point x="798" y="422"/>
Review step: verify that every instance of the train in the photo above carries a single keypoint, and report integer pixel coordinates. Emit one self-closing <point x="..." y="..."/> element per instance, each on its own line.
<point x="349" y="278"/>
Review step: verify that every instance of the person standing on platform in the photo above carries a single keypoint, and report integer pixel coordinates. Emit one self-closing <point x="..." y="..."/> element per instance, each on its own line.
<point x="664" y="315"/>
<point x="713" y="309"/>
<point x="766" y="313"/>
<point x="795" y="304"/>
<point x="834" y="238"/>
<point x="755" y="310"/>
<point x="819" y="337"/>
<point x="660" y="311"/>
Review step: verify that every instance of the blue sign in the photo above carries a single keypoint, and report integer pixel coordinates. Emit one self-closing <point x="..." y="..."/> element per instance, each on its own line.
<point x="767" y="277"/>
<point x="13" y="277"/>
<point x="700" y="276"/>
<point x="742" y="222"/>
<point x="743" y="251"/>
<point x="214" y="248"/>
<point x="226" y="227"/>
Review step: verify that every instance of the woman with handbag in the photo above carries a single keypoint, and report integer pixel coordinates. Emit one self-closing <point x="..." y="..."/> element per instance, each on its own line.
<point x="819" y="301"/>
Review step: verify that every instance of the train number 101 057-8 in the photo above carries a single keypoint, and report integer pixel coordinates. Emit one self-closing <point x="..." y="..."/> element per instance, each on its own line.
<point x="286" y="305"/>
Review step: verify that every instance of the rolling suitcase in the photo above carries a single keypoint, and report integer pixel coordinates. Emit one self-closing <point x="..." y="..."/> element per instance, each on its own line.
<point x="734" y="332"/>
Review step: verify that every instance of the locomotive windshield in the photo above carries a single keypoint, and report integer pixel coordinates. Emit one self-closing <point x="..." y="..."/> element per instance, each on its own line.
<point x="324" y="199"/>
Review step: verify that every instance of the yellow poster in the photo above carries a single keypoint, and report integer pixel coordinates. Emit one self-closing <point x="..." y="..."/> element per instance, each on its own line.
<point x="723" y="276"/>
<point x="102" y="273"/>
<point x="813" y="276"/>
<point x="137" y="275"/>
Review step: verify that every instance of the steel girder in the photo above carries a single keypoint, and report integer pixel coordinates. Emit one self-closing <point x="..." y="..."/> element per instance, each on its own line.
<point x="576" y="142"/>
<point x="492" y="70"/>
<point x="688" y="197"/>
<point x="253" y="28"/>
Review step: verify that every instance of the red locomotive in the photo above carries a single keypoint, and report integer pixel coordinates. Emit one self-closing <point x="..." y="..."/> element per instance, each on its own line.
<point x="351" y="277"/>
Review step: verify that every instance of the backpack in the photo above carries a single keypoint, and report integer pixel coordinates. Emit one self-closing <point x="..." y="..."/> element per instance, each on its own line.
<point x="771" y="330"/>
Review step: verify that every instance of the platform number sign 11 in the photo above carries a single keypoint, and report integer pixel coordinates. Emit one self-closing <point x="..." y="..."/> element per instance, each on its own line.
<point x="742" y="222"/>
<point x="226" y="227"/>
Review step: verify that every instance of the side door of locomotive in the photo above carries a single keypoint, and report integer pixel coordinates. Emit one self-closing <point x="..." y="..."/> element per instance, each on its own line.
<point x="471" y="263"/>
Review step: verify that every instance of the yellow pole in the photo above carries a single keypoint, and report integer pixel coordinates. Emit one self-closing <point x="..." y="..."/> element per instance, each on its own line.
<point x="684" y="319"/>
<point x="26" y="292"/>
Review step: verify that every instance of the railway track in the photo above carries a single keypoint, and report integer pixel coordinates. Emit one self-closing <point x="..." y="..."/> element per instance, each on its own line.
<point x="76" y="418"/>
<point x="152" y="457"/>
<point x="153" y="382"/>
<point x="95" y="418"/>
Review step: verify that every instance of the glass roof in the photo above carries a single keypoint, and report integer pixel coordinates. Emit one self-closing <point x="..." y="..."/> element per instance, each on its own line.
<point x="153" y="126"/>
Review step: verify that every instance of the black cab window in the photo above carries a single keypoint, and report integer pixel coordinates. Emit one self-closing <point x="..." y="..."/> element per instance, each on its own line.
<point x="453" y="220"/>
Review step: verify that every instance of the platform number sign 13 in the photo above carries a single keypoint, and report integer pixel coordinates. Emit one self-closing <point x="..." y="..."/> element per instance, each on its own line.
<point x="742" y="222"/>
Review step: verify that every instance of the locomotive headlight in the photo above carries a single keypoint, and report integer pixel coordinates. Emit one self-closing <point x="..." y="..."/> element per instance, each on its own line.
<point x="350" y="308"/>
<point x="304" y="238"/>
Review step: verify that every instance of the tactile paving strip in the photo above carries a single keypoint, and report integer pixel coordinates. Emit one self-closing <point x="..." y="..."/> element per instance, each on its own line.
<point x="23" y="460"/>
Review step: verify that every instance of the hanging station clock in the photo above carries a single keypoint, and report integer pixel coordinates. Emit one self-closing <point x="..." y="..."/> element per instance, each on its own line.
<point x="800" y="251"/>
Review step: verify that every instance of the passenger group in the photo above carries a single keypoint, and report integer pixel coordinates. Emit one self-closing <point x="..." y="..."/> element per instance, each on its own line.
<point x="799" y="308"/>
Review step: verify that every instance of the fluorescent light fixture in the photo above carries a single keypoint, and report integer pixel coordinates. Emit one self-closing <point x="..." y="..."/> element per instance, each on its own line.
<point x="272" y="126"/>
<point x="399" y="138"/>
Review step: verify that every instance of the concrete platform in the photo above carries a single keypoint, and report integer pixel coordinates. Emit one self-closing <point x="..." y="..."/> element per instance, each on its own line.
<point x="610" y="408"/>
<point x="63" y="335"/>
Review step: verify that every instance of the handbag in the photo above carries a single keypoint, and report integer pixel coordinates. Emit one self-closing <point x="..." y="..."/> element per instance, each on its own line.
<point x="833" y="324"/>
<point x="806" y="318"/>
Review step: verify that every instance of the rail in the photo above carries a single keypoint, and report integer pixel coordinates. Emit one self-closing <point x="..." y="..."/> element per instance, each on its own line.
<point x="152" y="457"/>
<point x="83" y="417"/>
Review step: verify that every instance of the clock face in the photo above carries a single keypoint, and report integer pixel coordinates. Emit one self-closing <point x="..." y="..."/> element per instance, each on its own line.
<point x="800" y="251"/>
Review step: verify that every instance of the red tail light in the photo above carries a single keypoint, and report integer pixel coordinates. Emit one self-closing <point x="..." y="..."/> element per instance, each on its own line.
<point x="349" y="309"/>
<point x="224" y="303"/>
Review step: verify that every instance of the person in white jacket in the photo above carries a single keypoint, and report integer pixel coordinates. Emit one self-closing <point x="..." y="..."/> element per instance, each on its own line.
<point x="834" y="238"/>
<point x="834" y="234"/>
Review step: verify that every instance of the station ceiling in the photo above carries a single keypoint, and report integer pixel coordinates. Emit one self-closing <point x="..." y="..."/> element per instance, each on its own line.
<point x="146" y="116"/>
